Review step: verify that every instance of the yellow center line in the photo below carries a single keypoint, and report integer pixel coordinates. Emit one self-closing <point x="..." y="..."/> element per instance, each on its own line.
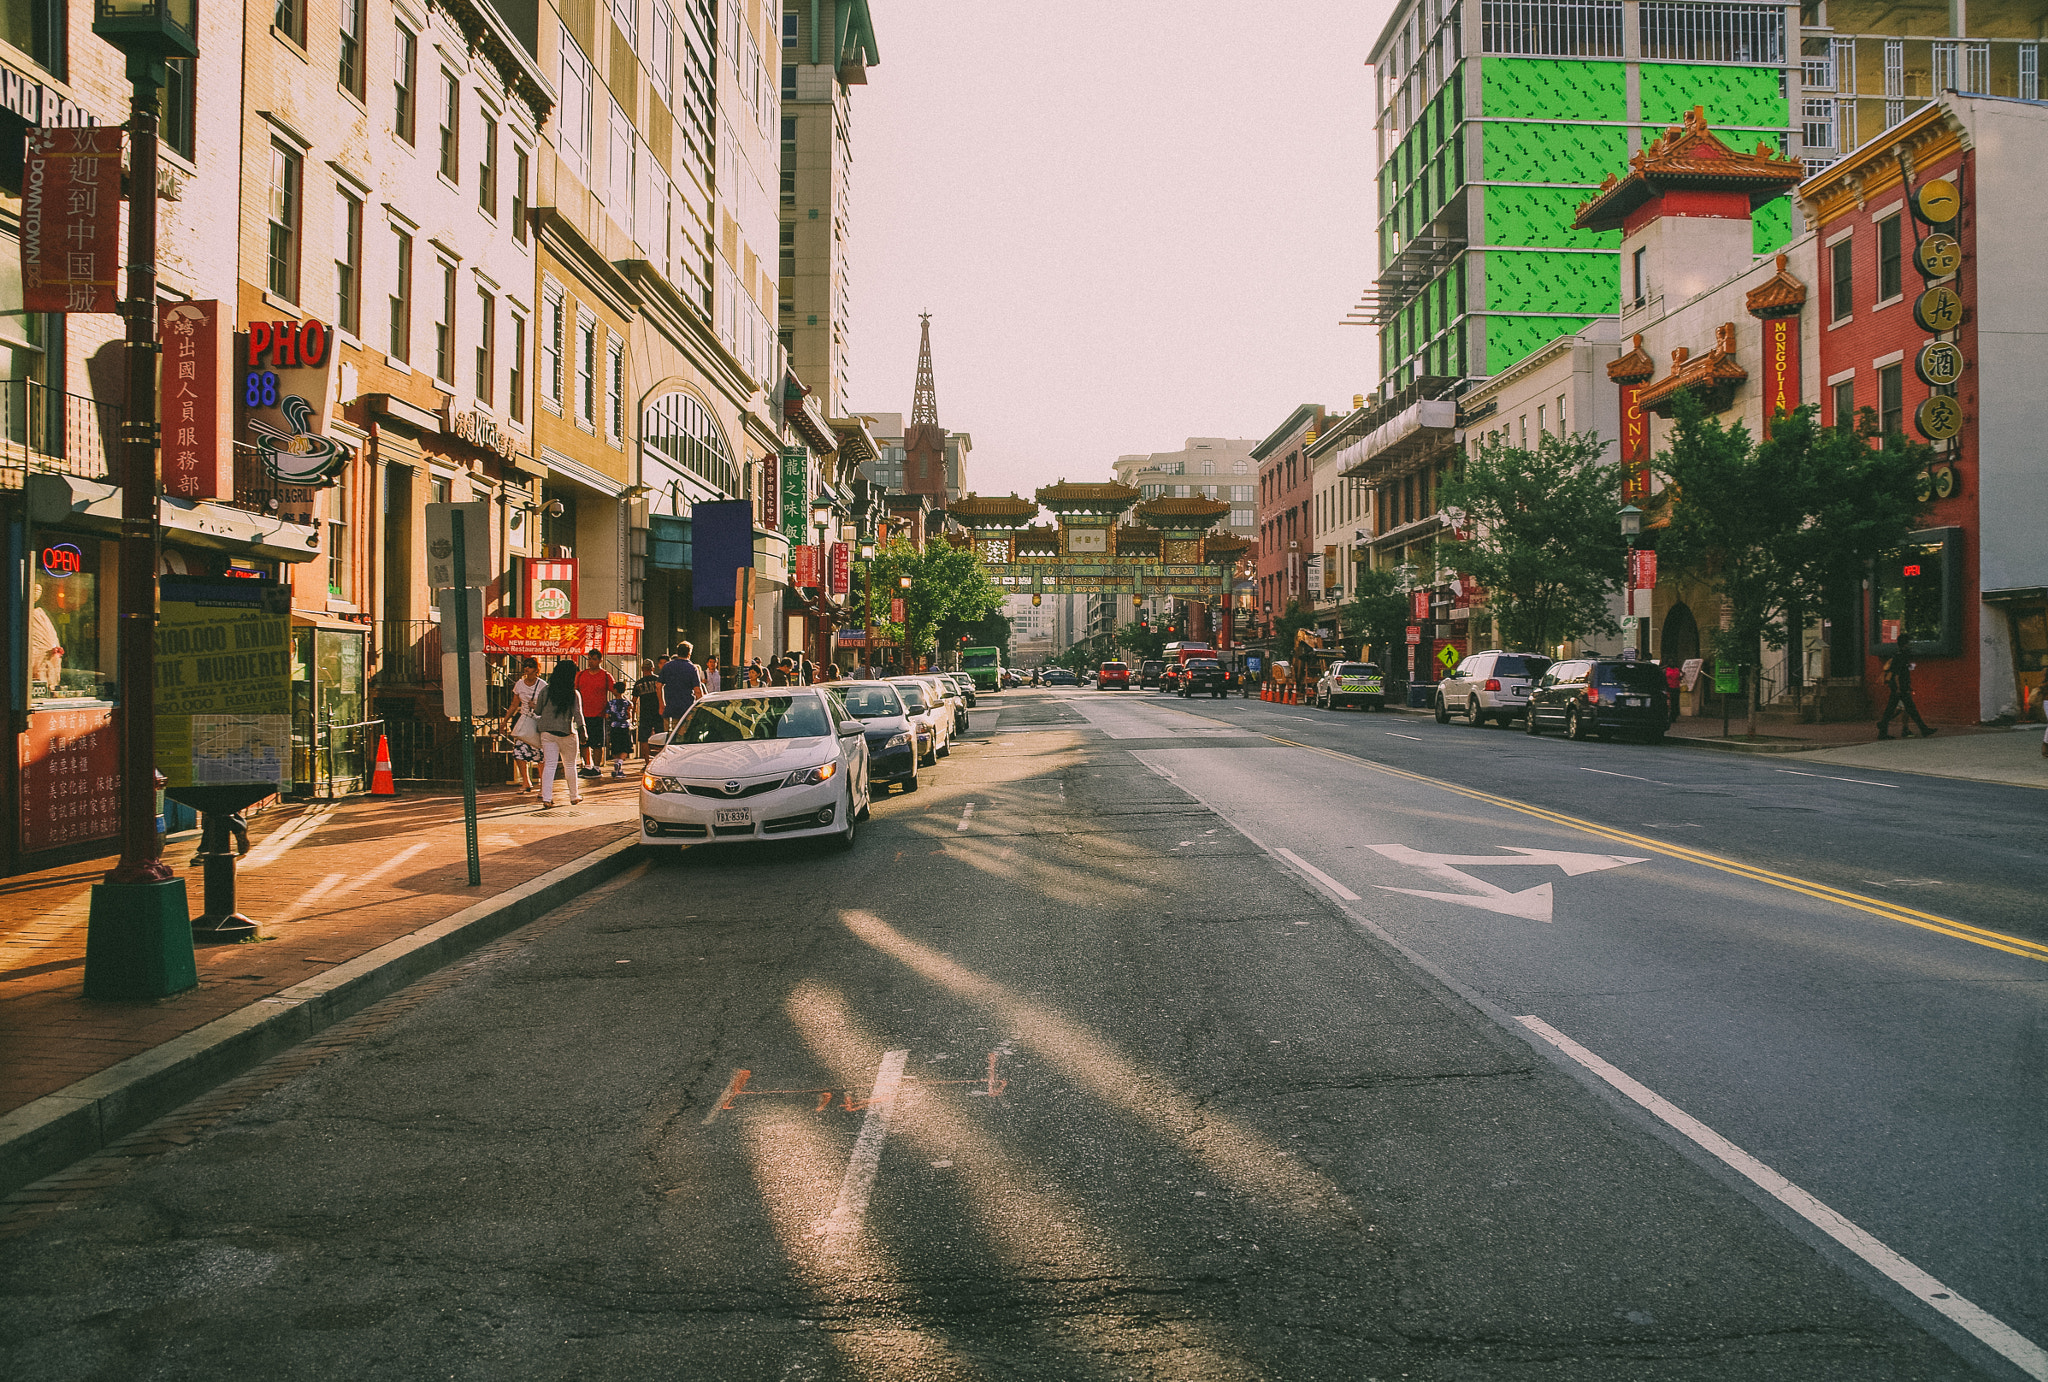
<point x="1889" y="911"/>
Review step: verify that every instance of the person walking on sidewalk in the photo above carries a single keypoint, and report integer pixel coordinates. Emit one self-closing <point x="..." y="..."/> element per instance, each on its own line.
<point x="618" y="718"/>
<point x="593" y="688"/>
<point x="1898" y="675"/>
<point x="681" y="684"/>
<point x="559" y="716"/>
<point x="647" y="699"/>
<point x="1674" y="677"/>
<point x="519" y="723"/>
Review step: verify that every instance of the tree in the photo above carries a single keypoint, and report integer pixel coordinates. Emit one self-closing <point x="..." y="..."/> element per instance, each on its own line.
<point x="1291" y="621"/>
<point x="1772" y="525"/>
<point x="1378" y="612"/>
<point x="1141" y="643"/>
<point x="1540" y="536"/>
<point x="949" y="589"/>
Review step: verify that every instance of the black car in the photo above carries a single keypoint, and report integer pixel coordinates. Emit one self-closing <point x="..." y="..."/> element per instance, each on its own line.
<point x="1202" y="674"/>
<point x="1589" y="696"/>
<point x="1149" y="670"/>
<point x="893" y="747"/>
<point x="1059" y="676"/>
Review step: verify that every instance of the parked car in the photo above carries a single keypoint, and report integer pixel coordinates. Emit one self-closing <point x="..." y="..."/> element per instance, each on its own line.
<point x="1149" y="671"/>
<point x="1059" y="676"/>
<point x="956" y="707"/>
<point x="896" y="739"/>
<point x="920" y="706"/>
<point x="1589" y="696"/>
<point x="1201" y="674"/>
<point x="753" y="765"/>
<point x="1352" y="683"/>
<point x="964" y="684"/>
<point x="1169" y="678"/>
<point x="1493" y="685"/>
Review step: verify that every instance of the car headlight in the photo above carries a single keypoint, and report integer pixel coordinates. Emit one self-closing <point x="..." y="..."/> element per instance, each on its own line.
<point x="896" y="741"/>
<point x="650" y="783"/>
<point x="805" y="777"/>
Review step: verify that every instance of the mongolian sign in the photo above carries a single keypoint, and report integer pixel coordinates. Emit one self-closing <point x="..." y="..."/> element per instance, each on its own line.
<point x="71" y="219"/>
<point x="224" y="682"/>
<point x="197" y="341"/>
<point x="1781" y="369"/>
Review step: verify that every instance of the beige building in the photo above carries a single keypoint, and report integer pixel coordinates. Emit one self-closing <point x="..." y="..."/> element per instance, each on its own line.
<point x="1218" y="468"/>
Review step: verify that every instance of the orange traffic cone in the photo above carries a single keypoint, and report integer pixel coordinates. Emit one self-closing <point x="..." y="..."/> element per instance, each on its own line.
<point x="381" y="783"/>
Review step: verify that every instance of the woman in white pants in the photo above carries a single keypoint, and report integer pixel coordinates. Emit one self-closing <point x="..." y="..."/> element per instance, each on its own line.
<point x="559" y="717"/>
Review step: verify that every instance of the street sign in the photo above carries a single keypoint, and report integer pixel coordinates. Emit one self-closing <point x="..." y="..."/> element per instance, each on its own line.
<point x="444" y="601"/>
<point x="476" y="527"/>
<point x="1448" y="655"/>
<point x="1414" y="635"/>
<point x="451" y="675"/>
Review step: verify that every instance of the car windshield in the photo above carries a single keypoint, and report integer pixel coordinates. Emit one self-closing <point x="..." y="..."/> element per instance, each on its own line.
<point x="871" y="702"/>
<point x="1510" y="665"/>
<point x="1632" y="676"/>
<point x="1114" y="667"/>
<point x="981" y="661"/>
<point x="753" y="717"/>
<point x="1357" y="669"/>
<point x="913" y="699"/>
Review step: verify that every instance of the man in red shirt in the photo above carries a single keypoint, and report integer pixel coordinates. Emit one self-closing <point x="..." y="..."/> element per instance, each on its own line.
<point x="593" y="689"/>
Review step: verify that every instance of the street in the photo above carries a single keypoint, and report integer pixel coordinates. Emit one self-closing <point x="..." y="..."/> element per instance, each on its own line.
<point x="1163" y="1039"/>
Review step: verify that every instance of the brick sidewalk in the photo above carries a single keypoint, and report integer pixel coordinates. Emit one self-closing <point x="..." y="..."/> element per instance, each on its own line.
<point x="1786" y="731"/>
<point x="325" y="882"/>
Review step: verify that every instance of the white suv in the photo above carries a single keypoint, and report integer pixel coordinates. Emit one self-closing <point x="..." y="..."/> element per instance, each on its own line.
<point x="1492" y="685"/>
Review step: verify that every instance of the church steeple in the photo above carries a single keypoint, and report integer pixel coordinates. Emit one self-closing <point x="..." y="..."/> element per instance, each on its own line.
<point x="924" y="403"/>
<point x="924" y="441"/>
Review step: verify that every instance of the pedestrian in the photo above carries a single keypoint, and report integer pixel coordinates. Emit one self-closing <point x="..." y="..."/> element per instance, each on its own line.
<point x="805" y="673"/>
<point x="618" y="720"/>
<point x="519" y="723"/>
<point x="558" y="714"/>
<point x="647" y="703"/>
<point x="681" y="684"/>
<point x="1673" y="679"/>
<point x="1898" y="676"/>
<point x="714" y="676"/>
<point x="593" y="688"/>
<point x="757" y="675"/>
<point x="778" y="673"/>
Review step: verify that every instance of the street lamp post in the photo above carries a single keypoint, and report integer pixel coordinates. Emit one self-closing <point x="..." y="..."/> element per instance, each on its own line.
<point x="903" y="584"/>
<point x="1631" y="529"/>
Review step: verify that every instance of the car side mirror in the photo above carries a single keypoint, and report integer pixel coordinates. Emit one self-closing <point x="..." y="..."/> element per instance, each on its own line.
<point x="659" y="741"/>
<point x="850" y="727"/>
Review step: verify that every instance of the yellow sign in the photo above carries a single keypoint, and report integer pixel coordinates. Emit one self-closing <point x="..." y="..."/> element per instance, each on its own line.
<point x="1939" y="418"/>
<point x="1938" y="256"/>
<point x="224" y="682"/>
<point x="1448" y="656"/>
<point x="1937" y="201"/>
<point x="1938" y="309"/>
<point x="1940" y="363"/>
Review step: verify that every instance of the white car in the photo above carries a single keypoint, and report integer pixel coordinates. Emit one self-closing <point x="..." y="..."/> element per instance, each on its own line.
<point x="757" y="765"/>
<point x="925" y="708"/>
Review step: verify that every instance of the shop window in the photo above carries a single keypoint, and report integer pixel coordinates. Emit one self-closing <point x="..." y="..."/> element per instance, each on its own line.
<point x="66" y="634"/>
<point x="37" y="27"/>
<point x="1916" y="596"/>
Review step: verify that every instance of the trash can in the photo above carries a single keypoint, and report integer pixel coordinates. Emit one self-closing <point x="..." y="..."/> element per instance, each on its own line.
<point x="1421" y="695"/>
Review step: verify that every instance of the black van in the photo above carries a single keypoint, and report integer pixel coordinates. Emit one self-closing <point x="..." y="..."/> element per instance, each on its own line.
<point x="1589" y="696"/>
<point x="1149" y="671"/>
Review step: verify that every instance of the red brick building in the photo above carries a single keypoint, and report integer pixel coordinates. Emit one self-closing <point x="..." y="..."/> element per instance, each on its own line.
<point x="1286" y="518"/>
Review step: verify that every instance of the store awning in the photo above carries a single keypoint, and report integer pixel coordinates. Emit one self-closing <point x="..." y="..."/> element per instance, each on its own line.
<point x="95" y="506"/>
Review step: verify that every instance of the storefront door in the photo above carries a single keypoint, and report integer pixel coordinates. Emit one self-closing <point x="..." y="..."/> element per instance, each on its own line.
<point x="331" y="744"/>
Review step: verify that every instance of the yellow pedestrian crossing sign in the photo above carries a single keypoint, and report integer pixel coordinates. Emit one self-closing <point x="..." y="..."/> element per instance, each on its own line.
<point x="1448" y="656"/>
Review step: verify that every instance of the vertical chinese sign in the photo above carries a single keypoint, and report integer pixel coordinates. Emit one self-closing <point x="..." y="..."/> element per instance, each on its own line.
<point x="795" y="514"/>
<point x="71" y="219"/>
<point x="806" y="576"/>
<point x="842" y="568"/>
<point x="196" y="338"/>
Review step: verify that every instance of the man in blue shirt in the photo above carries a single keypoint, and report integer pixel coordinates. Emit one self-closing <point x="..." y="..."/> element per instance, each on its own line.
<point x="681" y="684"/>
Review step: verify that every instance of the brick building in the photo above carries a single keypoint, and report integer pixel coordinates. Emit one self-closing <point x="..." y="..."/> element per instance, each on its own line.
<point x="1286" y="518"/>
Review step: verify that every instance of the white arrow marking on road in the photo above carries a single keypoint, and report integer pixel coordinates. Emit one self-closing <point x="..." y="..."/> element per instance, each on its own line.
<point x="1533" y="904"/>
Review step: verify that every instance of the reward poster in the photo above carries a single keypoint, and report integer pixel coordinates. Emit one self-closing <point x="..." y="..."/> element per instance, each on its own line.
<point x="224" y="682"/>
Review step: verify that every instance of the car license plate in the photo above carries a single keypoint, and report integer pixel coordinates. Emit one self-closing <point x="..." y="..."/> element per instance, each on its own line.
<point x="741" y="816"/>
<point x="1633" y="700"/>
<point x="1519" y="690"/>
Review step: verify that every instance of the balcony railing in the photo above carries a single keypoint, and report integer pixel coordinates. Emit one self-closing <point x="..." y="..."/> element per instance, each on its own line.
<point x="409" y="652"/>
<point x="46" y="429"/>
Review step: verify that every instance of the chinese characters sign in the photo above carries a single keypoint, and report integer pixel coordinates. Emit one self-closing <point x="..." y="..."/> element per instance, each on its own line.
<point x="794" y="516"/>
<point x="70" y="219"/>
<point x="1781" y="368"/>
<point x="1642" y="567"/>
<point x="806" y="577"/>
<point x="842" y="567"/>
<point x="224" y="682"/>
<point x="70" y="766"/>
<point x="196" y="340"/>
<point x="554" y="638"/>
<point x="1635" y="445"/>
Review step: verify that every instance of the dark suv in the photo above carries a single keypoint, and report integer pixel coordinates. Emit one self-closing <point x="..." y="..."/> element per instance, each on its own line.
<point x="1589" y="696"/>
<point x="1202" y="674"/>
<point x="1149" y="670"/>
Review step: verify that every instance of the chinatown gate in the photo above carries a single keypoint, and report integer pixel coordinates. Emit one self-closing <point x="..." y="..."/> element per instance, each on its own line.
<point x="1168" y="553"/>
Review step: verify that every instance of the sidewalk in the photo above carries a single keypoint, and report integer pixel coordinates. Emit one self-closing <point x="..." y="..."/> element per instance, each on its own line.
<point x="326" y="882"/>
<point x="1979" y="753"/>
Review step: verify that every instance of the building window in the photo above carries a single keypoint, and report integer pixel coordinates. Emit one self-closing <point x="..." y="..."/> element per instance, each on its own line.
<point x="405" y="83"/>
<point x="400" y="348"/>
<point x="615" y="390"/>
<point x="789" y="30"/>
<point x="626" y="14"/>
<point x="289" y="19"/>
<point x="350" y="70"/>
<point x="1685" y="31"/>
<point x="444" y="329"/>
<point x="180" y="125"/>
<point x="1845" y="403"/>
<point x="283" y="269"/>
<point x="573" y="113"/>
<point x="1890" y="279"/>
<point x="1542" y="28"/>
<point x="1891" y="400"/>
<point x="451" y="126"/>
<point x="586" y="370"/>
<point x="519" y="157"/>
<point x="515" y="372"/>
<point x="38" y="28"/>
<point x="1842" y="281"/>
<point x="348" y="263"/>
<point x="664" y="55"/>
<point x="619" y="169"/>
<point x="486" y="343"/>
<point x="553" y="311"/>
<point x="789" y="81"/>
<point x="1639" y="267"/>
<point x="337" y="539"/>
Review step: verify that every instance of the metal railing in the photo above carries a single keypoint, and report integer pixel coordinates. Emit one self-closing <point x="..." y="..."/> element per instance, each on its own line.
<point x="409" y="652"/>
<point x="46" y="429"/>
<point x="335" y="781"/>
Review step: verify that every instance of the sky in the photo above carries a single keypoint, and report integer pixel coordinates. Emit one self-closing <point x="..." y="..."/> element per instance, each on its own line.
<point x="1132" y="221"/>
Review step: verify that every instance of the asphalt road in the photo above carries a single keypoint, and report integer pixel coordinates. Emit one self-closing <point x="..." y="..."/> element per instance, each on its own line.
<point x="1067" y="1072"/>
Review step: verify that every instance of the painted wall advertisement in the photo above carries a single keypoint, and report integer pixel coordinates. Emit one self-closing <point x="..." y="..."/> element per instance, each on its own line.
<point x="223" y="682"/>
<point x="71" y="219"/>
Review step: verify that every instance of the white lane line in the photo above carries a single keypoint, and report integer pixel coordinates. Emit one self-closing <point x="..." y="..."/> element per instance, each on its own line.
<point x="1391" y="735"/>
<point x="859" y="1182"/>
<point x="1863" y="780"/>
<point x="1631" y="777"/>
<point x="966" y="817"/>
<point x="1313" y="872"/>
<point x="1995" y="1334"/>
<point x="277" y="844"/>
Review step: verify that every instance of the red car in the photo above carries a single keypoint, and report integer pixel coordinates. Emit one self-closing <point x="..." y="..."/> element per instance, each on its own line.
<point x="1114" y="674"/>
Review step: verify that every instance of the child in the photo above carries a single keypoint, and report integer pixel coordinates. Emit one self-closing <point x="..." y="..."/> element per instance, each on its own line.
<point x="618" y="716"/>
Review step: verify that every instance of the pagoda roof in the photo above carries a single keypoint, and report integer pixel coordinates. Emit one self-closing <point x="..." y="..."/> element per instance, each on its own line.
<point x="1634" y="367"/>
<point x="1043" y="535"/>
<point x="1689" y="155"/>
<point x="1714" y="374"/>
<point x="1224" y="546"/>
<point x="1178" y="515"/>
<point x="1095" y="495"/>
<point x="1137" y="532"/>
<point x="1781" y="295"/>
<point x="977" y="512"/>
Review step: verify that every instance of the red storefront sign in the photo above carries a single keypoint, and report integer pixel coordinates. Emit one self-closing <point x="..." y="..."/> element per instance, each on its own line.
<point x="196" y="338"/>
<point x="70" y="773"/>
<point x="1635" y="445"/>
<point x="842" y="568"/>
<point x="551" y="588"/>
<point x="896" y="611"/>
<point x="1414" y="636"/>
<point x="71" y="219"/>
<point x="1419" y="605"/>
<point x="1781" y="367"/>
<point x="1643" y="570"/>
<point x="545" y="638"/>
<point x="806" y="577"/>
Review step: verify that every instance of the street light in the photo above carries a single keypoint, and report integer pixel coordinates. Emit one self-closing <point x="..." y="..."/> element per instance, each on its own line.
<point x="1631" y="529"/>
<point x="1631" y="522"/>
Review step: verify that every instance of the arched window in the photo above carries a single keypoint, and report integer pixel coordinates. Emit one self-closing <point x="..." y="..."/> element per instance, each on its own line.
<point x="683" y="430"/>
<point x="1238" y="468"/>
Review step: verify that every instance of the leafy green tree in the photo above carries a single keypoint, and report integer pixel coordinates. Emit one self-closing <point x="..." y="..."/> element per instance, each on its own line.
<point x="1139" y="643"/>
<point x="949" y="589"/>
<point x="1377" y="614"/>
<point x="1541" y="536"/>
<point x="1291" y="621"/>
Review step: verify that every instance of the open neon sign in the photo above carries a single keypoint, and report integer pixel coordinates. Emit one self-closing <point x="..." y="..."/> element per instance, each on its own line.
<point x="63" y="559"/>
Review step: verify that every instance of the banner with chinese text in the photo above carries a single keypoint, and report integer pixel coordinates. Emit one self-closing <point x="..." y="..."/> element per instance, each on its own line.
<point x="71" y="219"/>
<point x="198" y="460"/>
<point x="842" y="567"/>
<point x="805" y="558"/>
<point x="70" y="775"/>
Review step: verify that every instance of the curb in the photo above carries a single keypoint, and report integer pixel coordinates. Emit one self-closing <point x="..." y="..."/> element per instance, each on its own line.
<point x="50" y="1133"/>
<point x="1725" y="746"/>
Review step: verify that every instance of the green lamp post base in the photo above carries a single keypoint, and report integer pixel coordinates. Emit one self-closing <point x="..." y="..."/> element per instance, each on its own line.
<point x="138" y="941"/>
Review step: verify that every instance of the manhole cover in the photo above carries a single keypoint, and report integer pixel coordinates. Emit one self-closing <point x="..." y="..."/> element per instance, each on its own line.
<point x="558" y="812"/>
